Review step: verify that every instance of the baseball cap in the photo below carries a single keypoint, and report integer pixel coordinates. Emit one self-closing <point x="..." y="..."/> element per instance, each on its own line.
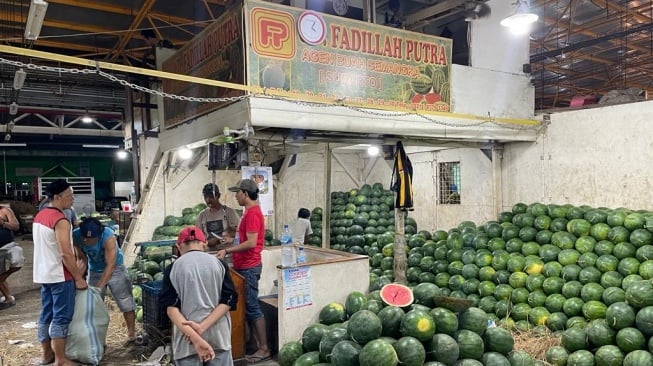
<point x="56" y="187"/>
<point x="211" y="189"/>
<point x="245" y="185"/>
<point x="90" y="228"/>
<point x="191" y="233"/>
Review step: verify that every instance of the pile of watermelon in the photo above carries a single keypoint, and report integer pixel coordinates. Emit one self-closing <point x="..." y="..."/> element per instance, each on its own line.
<point x="359" y="216"/>
<point x="584" y="273"/>
<point x="172" y="225"/>
<point x="370" y="330"/>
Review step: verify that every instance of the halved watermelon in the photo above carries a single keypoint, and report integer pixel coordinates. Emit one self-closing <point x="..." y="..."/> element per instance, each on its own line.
<point x="396" y="295"/>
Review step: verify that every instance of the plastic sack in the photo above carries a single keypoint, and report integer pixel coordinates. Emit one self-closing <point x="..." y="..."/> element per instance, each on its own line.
<point x="87" y="332"/>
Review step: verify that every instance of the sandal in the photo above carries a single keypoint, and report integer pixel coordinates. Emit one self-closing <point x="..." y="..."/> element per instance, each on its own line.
<point x="137" y="341"/>
<point x="6" y="305"/>
<point x="257" y="358"/>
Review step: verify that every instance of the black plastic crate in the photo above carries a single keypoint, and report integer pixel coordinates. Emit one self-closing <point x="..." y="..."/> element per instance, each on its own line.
<point x="154" y="313"/>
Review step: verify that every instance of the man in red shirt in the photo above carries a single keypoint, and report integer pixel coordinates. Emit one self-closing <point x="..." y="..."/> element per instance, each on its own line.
<point x="246" y="260"/>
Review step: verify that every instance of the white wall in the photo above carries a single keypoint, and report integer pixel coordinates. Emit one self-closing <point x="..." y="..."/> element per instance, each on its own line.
<point x="598" y="157"/>
<point x="493" y="46"/>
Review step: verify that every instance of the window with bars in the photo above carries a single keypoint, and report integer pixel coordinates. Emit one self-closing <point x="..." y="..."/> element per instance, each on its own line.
<point x="449" y="179"/>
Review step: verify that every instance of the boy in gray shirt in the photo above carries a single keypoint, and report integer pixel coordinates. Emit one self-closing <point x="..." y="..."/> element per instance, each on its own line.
<point x="199" y="294"/>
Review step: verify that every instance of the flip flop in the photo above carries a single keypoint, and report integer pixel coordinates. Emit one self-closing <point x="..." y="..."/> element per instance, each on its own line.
<point x="256" y="358"/>
<point x="6" y="305"/>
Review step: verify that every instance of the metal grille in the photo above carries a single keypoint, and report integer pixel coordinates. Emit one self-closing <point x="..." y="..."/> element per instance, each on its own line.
<point x="449" y="179"/>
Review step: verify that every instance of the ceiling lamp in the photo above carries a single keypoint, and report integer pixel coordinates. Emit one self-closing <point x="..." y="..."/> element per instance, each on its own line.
<point x="373" y="150"/>
<point x="522" y="17"/>
<point x="35" y="19"/>
<point x="122" y="154"/>
<point x="185" y="153"/>
<point x="86" y="118"/>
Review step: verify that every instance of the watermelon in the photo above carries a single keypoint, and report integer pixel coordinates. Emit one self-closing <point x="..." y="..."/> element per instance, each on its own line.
<point x="418" y="324"/>
<point x="581" y="358"/>
<point x="312" y="336"/>
<point x="425" y="293"/>
<point x="574" y="339"/>
<point x="470" y="344"/>
<point x="520" y="358"/>
<point x="308" y="359"/>
<point x="447" y="321"/>
<point x="378" y="353"/>
<point x="346" y="353"/>
<point x="390" y="317"/>
<point x="638" y="358"/>
<point x="556" y="356"/>
<point x="599" y="333"/>
<point x="442" y="348"/>
<point x="498" y="340"/>
<point x="608" y="355"/>
<point x="329" y="340"/>
<point x="644" y="320"/>
<point x="396" y="295"/>
<point x="289" y="352"/>
<point x="410" y="351"/>
<point x="333" y="313"/>
<point x="364" y="326"/>
<point x="354" y="302"/>
<point x="640" y="294"/>
<point x="630" y="339"/>
<point x="473" y="319"/>
<point x="620" y="315"/>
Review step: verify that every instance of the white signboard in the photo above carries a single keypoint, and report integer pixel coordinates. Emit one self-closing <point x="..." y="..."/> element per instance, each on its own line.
<point x="263" y="177"/>
<point x="297" y="287"/>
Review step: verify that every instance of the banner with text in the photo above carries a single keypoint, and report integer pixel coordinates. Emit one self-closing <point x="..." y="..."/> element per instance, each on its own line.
<point x="216" y="53"/>
<point x="313" y="55"/>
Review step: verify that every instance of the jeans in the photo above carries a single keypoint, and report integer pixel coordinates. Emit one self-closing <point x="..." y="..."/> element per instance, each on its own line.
<point x="57" y="307"/>
<point x="252" y="306"/>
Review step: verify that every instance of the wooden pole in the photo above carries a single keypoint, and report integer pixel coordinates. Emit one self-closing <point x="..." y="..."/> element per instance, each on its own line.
<point x="400" y="248"/>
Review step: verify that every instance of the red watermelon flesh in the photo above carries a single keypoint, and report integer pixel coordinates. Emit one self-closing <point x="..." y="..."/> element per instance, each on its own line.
<point x="395" y="294"/>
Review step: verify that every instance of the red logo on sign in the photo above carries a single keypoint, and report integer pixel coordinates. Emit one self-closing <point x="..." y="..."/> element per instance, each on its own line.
<point x="273" y="33"/>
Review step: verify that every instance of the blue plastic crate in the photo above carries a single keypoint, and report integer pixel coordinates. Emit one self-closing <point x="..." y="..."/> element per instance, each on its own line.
<point x="154" y="313"/>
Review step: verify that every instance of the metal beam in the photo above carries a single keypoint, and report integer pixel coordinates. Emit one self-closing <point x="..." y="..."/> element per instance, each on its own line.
<point x="127" y="36"/>
<point x="592" y="42"/>
<point x="436" y="9"/>
<point x="36" y="130"/>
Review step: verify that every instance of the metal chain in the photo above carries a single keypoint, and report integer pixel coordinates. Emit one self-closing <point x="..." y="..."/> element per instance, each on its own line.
<point x="163" y="94"/>
<point x="168" y="95"/>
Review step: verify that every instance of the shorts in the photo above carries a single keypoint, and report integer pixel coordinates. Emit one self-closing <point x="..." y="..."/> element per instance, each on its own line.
<point x="252" y="306"/>
<point x="11" y="256"/>
<point x="222" y="358"/>
<point x="120" y="286"/>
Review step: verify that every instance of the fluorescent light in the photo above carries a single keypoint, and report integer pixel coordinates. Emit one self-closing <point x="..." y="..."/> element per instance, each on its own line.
<point x="19" y="79"/>
<point x="13" y="144"/>
<point x="35" y="19"/>
<point x="100" y="146"/>
<point x="521" y="18"/>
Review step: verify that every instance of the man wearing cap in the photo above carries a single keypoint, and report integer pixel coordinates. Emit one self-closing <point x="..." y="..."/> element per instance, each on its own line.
<point x="9" y="252"/>
<point x="199" y="293"/>
<point x="106" y="268"/>
<point x="217" y="220"/>
<point x="246" y="260"/>
<point x="55" y="268"/>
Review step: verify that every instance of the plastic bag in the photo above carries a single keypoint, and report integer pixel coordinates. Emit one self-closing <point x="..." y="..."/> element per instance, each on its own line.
<point x="87" y="332"/>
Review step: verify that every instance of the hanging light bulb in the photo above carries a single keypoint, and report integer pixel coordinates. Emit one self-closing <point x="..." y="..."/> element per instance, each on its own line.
<point x="185" y="153"/>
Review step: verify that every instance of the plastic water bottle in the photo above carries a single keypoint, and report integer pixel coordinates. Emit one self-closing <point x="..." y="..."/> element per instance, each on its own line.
<point x="301" y="255"/>
<point x="236" y="239"/>
<point x="287" y="249"/>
